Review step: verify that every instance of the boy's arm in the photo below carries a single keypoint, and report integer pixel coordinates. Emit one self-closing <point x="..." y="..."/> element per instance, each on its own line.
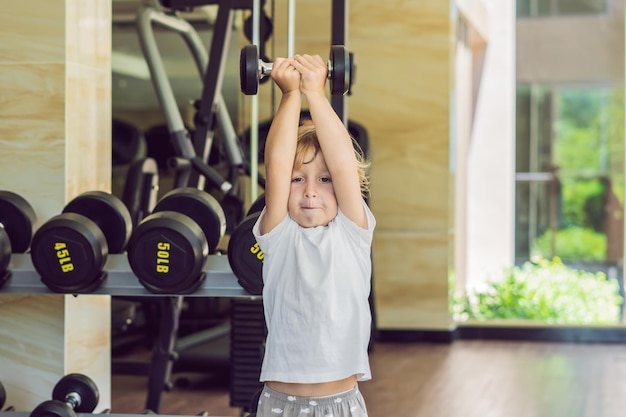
<point x="333" y="137"/>
<point x="280" y="145"/>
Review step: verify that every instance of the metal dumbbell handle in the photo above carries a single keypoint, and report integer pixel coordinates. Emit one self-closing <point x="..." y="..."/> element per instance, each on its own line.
<point x="265" y="68"/>
<point x="73" y="399"/>
<point x="252" y="70"/>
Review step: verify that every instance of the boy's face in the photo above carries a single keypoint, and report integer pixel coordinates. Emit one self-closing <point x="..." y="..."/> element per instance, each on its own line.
<point x="312" y="200"/>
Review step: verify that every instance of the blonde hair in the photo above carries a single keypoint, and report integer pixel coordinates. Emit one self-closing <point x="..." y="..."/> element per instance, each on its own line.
<point x="307" y="142"/>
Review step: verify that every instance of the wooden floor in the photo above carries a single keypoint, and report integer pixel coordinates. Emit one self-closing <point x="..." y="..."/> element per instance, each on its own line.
<point x="463" y="379"/>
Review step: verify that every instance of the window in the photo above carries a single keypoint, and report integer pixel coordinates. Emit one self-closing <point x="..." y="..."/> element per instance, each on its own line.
<point x="542" y="8"/>
<point x="569" y="175"/>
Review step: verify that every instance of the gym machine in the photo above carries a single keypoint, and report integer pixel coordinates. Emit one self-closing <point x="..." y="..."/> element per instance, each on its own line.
<point x="192" y="153"/>
<point x="190" y="164"/>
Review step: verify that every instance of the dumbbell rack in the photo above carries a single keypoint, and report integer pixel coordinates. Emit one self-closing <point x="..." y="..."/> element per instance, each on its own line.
<point x="120" y="280"/>
<point x="27" y="414"/>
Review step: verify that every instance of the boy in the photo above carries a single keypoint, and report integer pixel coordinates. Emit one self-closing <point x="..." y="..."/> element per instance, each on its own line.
<point x="316" y="233"/>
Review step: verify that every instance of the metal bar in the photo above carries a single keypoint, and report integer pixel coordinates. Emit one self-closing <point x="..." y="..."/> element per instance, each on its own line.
<point x="163" y="353"/>
<point x="339" y="36"/>
<point x="291" y="27"/>
<point x="534" y="176"/>
<point x="219" y="282"/>
<point x="254" y="108"/>
<point x="163" y="89"/>
<point x="224" y="121"/>
<point x="212" y="80"/>
<point x="27" y="414"/>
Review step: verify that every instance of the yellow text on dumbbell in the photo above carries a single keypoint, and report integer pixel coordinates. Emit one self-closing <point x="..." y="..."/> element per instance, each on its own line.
<point x="63" y="255"/>
<point x="163" y="257"/>
<point x="256" y="249"/>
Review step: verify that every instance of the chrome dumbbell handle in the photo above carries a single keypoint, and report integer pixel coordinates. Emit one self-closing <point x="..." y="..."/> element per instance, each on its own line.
<point x="252" y="69"/>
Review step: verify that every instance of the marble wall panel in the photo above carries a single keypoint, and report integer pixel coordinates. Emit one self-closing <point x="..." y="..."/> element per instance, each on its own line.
<point x="32" y="133"/>
<point x="409" y="184"/>
<point x="30" y="31"/>
<point x="51" y="107"/>
<point x="88" y="126"/>
<point x="88" y="33"/>
<point x="398" y="19"/>
<point x="43" y="347"/>
<point x="409" y="290"/>
<point x="366" y="19"/>
<point x="32" y="347"/>
<point x="87" y="341"/>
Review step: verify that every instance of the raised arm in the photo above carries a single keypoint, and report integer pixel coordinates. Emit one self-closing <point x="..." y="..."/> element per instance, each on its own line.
<point x="333" y="137"/>
<point x="280" y="146"/>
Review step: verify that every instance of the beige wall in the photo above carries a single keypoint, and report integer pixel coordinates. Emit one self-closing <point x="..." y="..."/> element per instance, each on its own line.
<point x="571" y="49"/>
<point x="55" y="102"/>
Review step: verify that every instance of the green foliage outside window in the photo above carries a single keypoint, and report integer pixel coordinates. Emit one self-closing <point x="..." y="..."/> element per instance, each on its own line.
<point x="573" y="244"/>
<point x="583" y="203"/>
<point x="588" y="151"/>
<point x="543" y="290"/>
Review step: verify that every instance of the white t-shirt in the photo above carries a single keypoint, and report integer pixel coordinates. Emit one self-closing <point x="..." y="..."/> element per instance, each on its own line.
<point x="315" y="297"/>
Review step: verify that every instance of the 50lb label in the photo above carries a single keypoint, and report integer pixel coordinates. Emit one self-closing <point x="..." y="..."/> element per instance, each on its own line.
<point x="163" y="257"/>
<point x="256" y="249"/>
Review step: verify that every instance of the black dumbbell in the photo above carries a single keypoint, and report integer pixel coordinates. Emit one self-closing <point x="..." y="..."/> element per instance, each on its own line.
<point x="17" y="223"/>
<point x="3" y="395"/>
<point x="257" y="205"/>
<point x="74" y="393"/>
<point x="244" y="253"/>
<point x="168" y="249"/>
<point x="69" y="250"/>
<point x="254" y="402"/>
<point x="252" y="69"/>
<point x="3" y="398"/>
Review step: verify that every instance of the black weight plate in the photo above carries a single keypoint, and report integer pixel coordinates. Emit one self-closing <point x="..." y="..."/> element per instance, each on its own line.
<point x="18" y="218"/>
<point x="3" y="395"/>
<point x="167" y="252"/>
<point x="201" y="207"/>
<point x="5" y="255"/>
<point x="352" y="73"/>
<point x="257" y="205"/>
<point x="52" y="408"/>
<point x="233" y="211"/>
<point x="266" y="27"/>
<point x="109" y="213"/>
<point x="339" y="75"/>
<point x="69" y="253"/>
<point x="249" y="69"/>
<point x="83" y="386"/>
<point x="245" y="257"/>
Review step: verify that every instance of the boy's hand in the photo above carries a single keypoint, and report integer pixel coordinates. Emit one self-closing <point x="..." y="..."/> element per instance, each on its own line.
<point x="285" y="75"/>
<point x="314" y="72"/>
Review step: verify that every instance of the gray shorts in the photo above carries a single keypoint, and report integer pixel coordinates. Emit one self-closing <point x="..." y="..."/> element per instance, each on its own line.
<point x="345" y="404"/>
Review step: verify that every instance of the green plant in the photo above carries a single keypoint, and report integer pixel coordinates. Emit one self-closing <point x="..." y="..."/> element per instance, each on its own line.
<point x="547" y="291"/>
<point x="572" y="243"/>
<point x="583" y="203"/>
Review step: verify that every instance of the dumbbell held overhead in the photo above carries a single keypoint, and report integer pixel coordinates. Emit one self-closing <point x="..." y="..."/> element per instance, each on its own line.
<point x="252" y="69"/>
